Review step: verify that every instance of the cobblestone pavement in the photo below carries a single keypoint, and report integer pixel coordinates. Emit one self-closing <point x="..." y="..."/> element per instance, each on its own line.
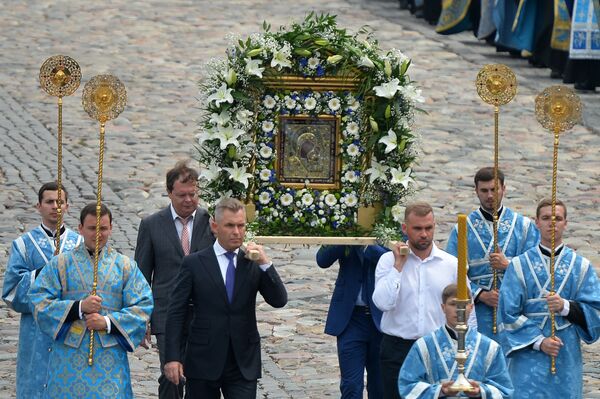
<point x="157" y="49"/>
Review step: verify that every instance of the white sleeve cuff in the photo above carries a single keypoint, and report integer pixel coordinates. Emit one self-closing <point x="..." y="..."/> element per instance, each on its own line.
<point x="80" y="313"/>
<point x="265" y="266"/>
<point x="566" y="308"/>
<point x="537" y="344"/>
<point x="32" y="278"/>
<point x="108" y="325"/>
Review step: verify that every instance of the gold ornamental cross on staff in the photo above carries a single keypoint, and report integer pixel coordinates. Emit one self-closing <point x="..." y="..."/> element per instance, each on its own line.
<point x="59" y="76"/>
<point x="557" y="109"/>
<point x="496" y="85"/>
<point x="104" y="98"/>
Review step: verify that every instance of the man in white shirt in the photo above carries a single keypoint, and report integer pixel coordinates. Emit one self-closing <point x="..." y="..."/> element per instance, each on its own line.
<point x="408" y="290"/>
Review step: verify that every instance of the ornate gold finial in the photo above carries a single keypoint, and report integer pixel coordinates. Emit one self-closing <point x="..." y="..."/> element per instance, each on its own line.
<point x="496" y="84"/>
<point x="558" y="108"/>
<point x="60" y="75"/>
<point x="104" y="97"/>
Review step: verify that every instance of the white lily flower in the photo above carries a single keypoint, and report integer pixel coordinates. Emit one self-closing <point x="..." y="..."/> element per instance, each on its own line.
<point x="210" y="172"/>
<point x="401" y="177"/>
<point x="351" y="200"/>
<point x="205" y="135"/>
<point x="412" y="94"/>
<point x="310" y="103"/>
<point x="265" y="174"/>
<point x="387" y="90"/>
<point x="334" y="104"/>
<point x="390" y="141"/>
<point x="330" y="200"/>
<point x="222" y="95"/>
<point x="398" y="213"/>
<point x="280" y="60"/>
<point x="239" y="174"/>
<point x="228" y="135"/>
<point x="220" y="119"/>
<point x="265" y="151"/>
<point x="353" y="150"/>
<point x="253" y="67"/>
<point x="286" y="199"/>
<point x="243" y="116"/>
<point x="376" y="171"/>
<point x="365" y="62"/>
<point x="264" y="197"/>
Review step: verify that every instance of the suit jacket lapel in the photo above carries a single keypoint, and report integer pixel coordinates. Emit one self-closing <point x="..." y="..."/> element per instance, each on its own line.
<point x="214" y="272"/>
<point x="199" y="230"/>
<point x="241" y="272"/>
<point x="171" y="231"/>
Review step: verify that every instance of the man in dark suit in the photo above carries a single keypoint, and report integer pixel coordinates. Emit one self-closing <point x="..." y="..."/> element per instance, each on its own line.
<point x="223" y="352"/>
<point x="353" y="318"/>
<point x="164" y="238"/>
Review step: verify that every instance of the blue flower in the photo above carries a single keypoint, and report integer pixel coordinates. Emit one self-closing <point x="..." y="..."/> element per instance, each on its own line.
<point x="303" y="62"/>
<point x="320" y="71"/>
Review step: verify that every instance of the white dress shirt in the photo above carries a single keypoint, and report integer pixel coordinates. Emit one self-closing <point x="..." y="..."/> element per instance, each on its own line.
<point x="179" y="224"/>
<point x="224" y="261"/>
<point x="411" y="300"/>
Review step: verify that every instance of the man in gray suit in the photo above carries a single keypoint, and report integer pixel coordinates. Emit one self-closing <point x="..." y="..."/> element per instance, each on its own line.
<point x="164" y="238"/>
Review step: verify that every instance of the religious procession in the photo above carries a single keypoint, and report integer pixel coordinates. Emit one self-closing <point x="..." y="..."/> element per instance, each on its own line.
<point x="329" y="168"/>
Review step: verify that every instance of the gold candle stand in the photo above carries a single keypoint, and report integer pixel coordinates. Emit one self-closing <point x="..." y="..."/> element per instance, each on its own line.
<point x="461" y="384"/>
<point x="557" y="109"/>
<point x="496" y="85"/>
<point x="59" y="76"/>
<point x="104" y="98"/>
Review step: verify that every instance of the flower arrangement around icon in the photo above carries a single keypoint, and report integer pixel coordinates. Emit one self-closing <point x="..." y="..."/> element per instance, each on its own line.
<point x="309" y="100"/>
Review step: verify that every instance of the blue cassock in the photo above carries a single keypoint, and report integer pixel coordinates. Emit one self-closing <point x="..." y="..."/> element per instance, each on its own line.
<point x="516" y="234"/>
<point x="30" y="252"/>
<point x="431" y="361"/>
<point x="516" y="23"/>
<point x="126" y="300"/>
<point x="524" y="317"/>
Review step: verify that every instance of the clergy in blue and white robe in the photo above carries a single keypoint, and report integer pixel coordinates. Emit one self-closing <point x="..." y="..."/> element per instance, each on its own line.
<point x="431" y="362"/>
<point x="126" y="301"/>
<point x="524" y="317"/>
<point x="29" y="254"/>
<point x="516" y="234"/>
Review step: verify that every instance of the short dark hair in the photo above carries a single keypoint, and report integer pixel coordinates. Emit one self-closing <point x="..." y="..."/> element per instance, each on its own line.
<point x="450" y="292"/>
<point x="51" y="186"/>
<point x="230" y="204"/>
<point x="90" y="209"/>
<point x="487" y="174"/>
<point x="181" y="172"/>
<point x="548" y="202"/>
<point x="418" y="208"/>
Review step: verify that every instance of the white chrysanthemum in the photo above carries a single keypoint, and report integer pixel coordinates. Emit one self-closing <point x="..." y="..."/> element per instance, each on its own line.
<point x="265" y="174"/>
<point x="352" y="128"/>
<point x="351" y="200"/>
<point x="310" y="103"/>
<point x="265" y="151"/>
<point x="330" y="200"/>
<point x="351" y="176"/>
<point x="398" y="213"/>
<point x="353" y="104"/>
<point x="353" y="150"/>
<point x="267" y="126"/>
<point x="334" y="104"/>
<point x="313" y="62"/>
<point x="269" y="102"/>
<point x="307" y="199"/>
<point x="286" y="199"/>
<point x="290" y="103"/>
<point x="264" y="197"/>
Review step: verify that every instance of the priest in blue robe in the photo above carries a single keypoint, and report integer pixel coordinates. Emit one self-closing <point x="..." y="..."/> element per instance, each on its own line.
<point x="516" y="234"/>
<point x="29" y="254"/>
<point x="118" y="314"/>
<point x="430" y="368"/>
<point x="526" y="300"/>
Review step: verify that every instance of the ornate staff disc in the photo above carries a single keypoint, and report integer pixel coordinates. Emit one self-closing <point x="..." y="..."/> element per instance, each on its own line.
<point x="59" y="76"/>
<point x="496" y="84"/>
<point x="104" y="98"/>
<point x="557" y="108"/>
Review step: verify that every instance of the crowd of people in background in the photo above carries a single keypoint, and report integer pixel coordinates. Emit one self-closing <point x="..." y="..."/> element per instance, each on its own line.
<point x="562" y="35"/>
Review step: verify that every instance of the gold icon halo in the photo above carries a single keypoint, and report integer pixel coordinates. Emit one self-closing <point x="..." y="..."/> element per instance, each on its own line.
<point x="60" y="75"/>
<point x="104" y="97"/>
<point x="558" y="108"/>
<point x="496" y="84"/>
